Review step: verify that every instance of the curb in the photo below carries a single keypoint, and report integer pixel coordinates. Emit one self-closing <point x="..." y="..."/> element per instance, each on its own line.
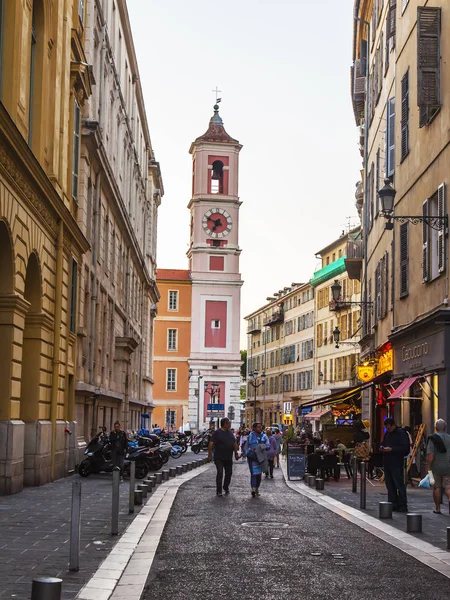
<point x="124" y="571"/>
<point x="426" y="553"/>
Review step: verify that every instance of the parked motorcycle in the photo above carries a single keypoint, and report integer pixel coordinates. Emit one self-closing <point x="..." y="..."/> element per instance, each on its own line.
<point x="201" y="442"/>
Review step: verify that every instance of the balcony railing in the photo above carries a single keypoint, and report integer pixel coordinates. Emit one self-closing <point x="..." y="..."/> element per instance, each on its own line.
<point x="255" y="328"/>
<point x="276" y="317"/>
<point x="354" y="259"/>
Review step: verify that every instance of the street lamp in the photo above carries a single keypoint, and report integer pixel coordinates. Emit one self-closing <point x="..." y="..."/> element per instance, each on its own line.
<point x="254" y="377"/>
<point x="387" y="197"/>
<point x="337" y="337"/>
<point x="214" y="392"/>
<point x="336" y="293"/>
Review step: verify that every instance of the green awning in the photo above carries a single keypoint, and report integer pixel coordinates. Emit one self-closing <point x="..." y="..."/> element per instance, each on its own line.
<point x="332" y="270"/>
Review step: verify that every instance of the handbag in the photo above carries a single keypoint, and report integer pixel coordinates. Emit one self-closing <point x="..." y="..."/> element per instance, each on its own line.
<point x="362" y="450"/>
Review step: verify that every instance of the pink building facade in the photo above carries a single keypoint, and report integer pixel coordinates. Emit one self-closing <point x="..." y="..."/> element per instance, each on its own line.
<point x="216" y="282"/>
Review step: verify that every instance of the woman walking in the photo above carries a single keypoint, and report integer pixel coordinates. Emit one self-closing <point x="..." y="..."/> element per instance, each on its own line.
<point x="256" y="452"/>
<point x="271" y="453"/>
<point x="279" y="440"/>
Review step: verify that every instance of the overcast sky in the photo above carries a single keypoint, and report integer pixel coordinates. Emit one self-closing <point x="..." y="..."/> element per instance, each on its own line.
<point x="284" y="70"/>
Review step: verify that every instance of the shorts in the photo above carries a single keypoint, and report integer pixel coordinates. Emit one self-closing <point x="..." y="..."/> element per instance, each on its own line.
<point x="442" y="481"/>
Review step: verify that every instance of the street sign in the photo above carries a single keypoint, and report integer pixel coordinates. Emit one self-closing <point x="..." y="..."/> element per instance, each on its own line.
<point x="215" y="414"/>
<point x="215" y="407"/>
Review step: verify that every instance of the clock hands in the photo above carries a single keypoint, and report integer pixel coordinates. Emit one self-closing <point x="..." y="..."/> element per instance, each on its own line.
<point x="217" y="223"/>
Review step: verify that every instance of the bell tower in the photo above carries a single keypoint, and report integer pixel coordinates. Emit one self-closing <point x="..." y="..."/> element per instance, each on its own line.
<point x="216" y="282"/>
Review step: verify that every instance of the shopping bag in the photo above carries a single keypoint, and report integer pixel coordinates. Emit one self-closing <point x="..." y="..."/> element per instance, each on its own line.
<point x="425" y="483"/>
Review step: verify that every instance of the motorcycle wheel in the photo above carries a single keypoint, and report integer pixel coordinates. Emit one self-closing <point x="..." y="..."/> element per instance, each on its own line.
<point x="141" y="470"/>
<point x="176" y="454"/>
<point x="84" y="469"/>
<point x="184" y="448"/>
<point x="156" y="463"/>
<point x="195" y="449"/>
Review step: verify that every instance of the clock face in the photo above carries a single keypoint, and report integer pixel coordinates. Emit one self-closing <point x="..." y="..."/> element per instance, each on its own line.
<point x="217" y="222"/>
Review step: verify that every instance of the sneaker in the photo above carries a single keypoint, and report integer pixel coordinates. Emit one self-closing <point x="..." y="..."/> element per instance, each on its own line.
<point x="219" y="494"/>
<point x="227" y="492"/>
<point x="271" y="477"/>
<point x="257" y="491"/>
<point x="253" y="492"/>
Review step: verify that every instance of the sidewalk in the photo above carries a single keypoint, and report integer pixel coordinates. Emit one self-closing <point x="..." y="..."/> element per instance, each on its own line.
<point x="278" y="545"/>
<point x="34" y="532"/>
<point x="420" y="500"/>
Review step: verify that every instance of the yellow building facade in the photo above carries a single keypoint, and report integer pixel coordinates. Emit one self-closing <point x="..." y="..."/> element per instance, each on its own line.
<point x="41" y="244"/>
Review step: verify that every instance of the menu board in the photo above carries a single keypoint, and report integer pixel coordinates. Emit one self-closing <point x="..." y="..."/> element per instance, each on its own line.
<point x="296" y="462"/>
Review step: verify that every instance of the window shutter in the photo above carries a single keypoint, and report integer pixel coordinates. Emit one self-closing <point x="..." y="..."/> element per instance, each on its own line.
<point x="392" y="18"/>
<point x="404" y="260"/>
<point x="390" y="138"/>
<point x="405" y="116"/>
<point x="385" y="288"/>
<point x="377" y="184"/>
<point x="378" y="291"/>
<point x="441" y="231"/>
<point x="392" y="274"/>
<point x="425" y="242"/>
<point x="428" y="56"/>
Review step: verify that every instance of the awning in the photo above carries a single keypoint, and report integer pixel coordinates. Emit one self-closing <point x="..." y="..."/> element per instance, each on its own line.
<point x="341" y="396"/>
<point x="316" y="414"/>
<point x="405" y="385"/>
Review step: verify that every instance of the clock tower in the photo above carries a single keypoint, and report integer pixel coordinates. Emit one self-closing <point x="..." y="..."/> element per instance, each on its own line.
<point x="213" y="255"/>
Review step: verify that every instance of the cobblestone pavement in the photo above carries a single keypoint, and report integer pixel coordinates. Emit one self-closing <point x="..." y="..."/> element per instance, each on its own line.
<point x="434" y="527"/>
<point x="280" y="545"/>
<point x="34" y="532"/>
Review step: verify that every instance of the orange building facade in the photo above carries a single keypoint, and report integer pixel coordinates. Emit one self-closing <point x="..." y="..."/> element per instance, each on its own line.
<point x="172" y="349"/>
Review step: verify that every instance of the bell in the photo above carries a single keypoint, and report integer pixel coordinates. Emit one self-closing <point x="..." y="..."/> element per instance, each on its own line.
<point x="215" y="175"/>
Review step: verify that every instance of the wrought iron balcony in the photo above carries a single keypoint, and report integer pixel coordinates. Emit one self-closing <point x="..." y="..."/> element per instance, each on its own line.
<point x="277" y="316"/>
<point x="354" y="259"/>
<point x="255" y="328"/>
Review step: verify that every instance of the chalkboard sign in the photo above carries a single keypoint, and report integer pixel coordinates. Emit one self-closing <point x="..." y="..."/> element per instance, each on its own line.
<point x="296" y="462"/>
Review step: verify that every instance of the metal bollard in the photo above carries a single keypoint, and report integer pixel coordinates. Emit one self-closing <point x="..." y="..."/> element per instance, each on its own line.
<point x="355" y="475"/>
<point x="413" y="523"/>
<point x="194" y="464"/>
<point x="184" y="468"/>
<point x="189" y="466"/>
<point x="448" y="538"/>
<point x="312" y="480"/>
<point x="179" y="470"/>
<point x="75" y="523"/>
<point x="385" y="510"/>
<point x="165" y="475"/>
<point x="46" y="588"/>
<point x="131" y="491"/>
<point x="150" y="484"/>
<point x="320" y="484"/>
<point x="172" y="471"/>
<point x="158" y="478"/>
<point x="115" y="501"/>
<point x="144" y="489"/>
<point x="138" y="497"/>
<point x="362" y="496"/>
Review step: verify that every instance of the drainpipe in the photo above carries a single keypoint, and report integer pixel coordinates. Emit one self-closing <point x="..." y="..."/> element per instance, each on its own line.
<point x="94" y="295"/>
<point x="56" y="341"/>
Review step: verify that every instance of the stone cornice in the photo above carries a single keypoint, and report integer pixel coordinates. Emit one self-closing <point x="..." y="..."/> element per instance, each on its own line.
<point x="20" y="167"/>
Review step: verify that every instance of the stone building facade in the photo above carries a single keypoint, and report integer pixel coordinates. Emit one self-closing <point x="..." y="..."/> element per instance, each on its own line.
<point x="41" y="244"/>
<point x="120" y="190"/>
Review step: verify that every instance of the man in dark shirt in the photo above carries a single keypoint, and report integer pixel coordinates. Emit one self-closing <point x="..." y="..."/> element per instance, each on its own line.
<point x="394" y="448"/>
<point x="119" y="446"/>
<point x="223" y="443"/>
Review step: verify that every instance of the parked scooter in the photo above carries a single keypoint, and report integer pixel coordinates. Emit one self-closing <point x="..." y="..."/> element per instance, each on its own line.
<point x="201" y="442"/>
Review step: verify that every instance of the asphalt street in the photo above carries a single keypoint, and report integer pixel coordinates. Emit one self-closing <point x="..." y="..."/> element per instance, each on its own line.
<point x="278" y="545"/>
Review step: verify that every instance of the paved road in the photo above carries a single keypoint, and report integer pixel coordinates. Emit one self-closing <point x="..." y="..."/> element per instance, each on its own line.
<point x="34" y="533"/>
<point x="207" y="553"/>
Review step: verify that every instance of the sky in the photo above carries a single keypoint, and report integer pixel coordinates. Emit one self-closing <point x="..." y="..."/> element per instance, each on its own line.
<point x="283" y="68"/>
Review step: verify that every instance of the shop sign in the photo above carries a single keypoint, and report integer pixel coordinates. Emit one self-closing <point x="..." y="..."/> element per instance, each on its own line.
<point x="419" y="354"/>
<point x="366" y="373"/>
<point x="385" y="362"/>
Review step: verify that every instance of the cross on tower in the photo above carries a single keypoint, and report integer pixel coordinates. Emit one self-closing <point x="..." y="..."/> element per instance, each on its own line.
<point x="217" y="92"/>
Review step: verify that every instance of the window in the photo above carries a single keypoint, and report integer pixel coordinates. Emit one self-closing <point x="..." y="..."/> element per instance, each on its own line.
<point x="378" y="184"/>
<point x="404" y="5"/>
<point x="172" y="339"/>
<point x="217" y="177"/>
<point x="170" y="418"/>
<point x="173" y="300"/>
<point x="215" y="324"/>
<point x="392" y="21"/>
<point x="73" y="297"/>
<point x="428" y="62"/>
<point x="405" y="116"/>
<point x="32" y="73"/>
<point x="171" y="380"/>
<point x="433" y="240"/>
<point x="390" y="137"/>
<point x="75" y="149"/>
<point x="404" y="260"/>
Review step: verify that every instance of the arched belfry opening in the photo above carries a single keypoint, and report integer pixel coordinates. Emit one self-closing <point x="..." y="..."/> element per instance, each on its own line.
<point x="217" y="177"/>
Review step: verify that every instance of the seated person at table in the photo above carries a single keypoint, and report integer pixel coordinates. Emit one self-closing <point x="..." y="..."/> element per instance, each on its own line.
<point x="324" y="446"/>
<point x="331" y="447"/>
<point x="340" y="447"/>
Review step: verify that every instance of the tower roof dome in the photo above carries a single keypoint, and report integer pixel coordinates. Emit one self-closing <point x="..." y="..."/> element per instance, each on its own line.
<point x="216" y="131"/>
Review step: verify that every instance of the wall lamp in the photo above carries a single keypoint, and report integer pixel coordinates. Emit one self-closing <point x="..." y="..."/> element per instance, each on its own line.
<point x="337" y="337"/>
<point x="336" y="293"/>
<point x="387" y="197"/>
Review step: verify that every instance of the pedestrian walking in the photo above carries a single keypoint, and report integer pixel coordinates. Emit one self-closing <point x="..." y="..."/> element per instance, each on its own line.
<point x="271" y="453"/>
<point x="119" y="446"/>
<point x="243" y="441"/>
<point x="395" y="447"/>
<point x="256" y="452"/>
<point x="279" y="440"/>
<point x="223" y="444"/>
<point x="438" y="462"/>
